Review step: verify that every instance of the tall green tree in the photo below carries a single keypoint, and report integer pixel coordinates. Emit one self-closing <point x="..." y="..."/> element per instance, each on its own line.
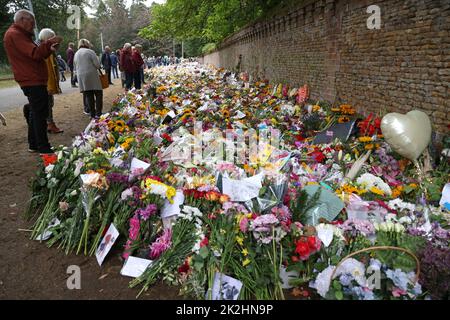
<point x="206" y="21"/>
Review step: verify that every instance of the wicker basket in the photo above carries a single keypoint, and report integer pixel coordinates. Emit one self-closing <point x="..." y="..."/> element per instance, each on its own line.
<point x="381" y="248"/>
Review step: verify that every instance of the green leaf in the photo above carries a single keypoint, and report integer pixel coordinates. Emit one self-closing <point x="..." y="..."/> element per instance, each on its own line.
<point x="339" y="295"/>
<point x="337" y="285"/>
<point x="204" y="252"/>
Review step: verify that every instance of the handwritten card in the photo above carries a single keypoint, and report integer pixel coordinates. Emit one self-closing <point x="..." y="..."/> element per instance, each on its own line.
<point x="242" y="190"/>
<point x="135" y="267"/>
<point x="328" y="206"/>
<point x="105" y="246"/>
<point x="225" y="287"/>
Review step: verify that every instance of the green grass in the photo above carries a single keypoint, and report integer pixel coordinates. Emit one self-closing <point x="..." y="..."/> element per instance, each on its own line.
<point x="7" y="84"/>
<point x="5" y="71"/>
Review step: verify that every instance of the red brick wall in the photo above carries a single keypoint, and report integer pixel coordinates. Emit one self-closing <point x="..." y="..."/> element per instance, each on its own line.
<point x="403" y="66"/>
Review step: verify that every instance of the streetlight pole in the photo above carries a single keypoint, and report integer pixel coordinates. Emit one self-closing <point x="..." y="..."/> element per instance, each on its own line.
<point x="36" y="31"/>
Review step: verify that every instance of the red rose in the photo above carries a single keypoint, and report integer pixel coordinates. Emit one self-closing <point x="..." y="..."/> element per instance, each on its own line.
<point x="302" y="249"/>
<point x="204" y="242"/>
<point x="318" y="156"/>
<point x="313" y="243"/>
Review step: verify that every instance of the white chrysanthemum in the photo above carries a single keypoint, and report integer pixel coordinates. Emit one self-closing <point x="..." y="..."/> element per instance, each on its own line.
<point x="158" y="189"/>
<point x="368" y="181"/>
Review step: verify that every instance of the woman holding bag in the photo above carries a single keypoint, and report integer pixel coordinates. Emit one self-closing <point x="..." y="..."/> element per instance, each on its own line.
<point x="87" y="66"/>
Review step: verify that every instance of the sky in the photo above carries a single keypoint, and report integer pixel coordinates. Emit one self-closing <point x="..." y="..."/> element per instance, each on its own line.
<point x="147" y="2"/>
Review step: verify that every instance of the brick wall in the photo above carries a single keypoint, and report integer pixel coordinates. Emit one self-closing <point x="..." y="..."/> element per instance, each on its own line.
<point x="403" y="66"/>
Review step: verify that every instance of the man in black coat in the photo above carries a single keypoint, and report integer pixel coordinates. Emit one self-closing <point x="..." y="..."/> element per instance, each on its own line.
<point x="106" y="62"/>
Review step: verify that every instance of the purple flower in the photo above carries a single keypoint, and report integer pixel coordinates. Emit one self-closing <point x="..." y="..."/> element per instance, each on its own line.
<point x="115" y="177"/>
<point x="146" y="213"/>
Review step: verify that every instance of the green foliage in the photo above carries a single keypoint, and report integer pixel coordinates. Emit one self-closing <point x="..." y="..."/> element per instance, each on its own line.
<point x="396" y="259"/>
<point x="211" y="21"/>
<point x="302" y="204"/>
<point x="209" y="47"/>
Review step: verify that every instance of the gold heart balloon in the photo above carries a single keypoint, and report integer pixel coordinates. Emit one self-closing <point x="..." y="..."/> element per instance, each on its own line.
<point x="407" y="134"/>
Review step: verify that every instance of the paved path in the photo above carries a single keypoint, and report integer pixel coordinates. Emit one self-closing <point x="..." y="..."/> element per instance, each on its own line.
<point x="11" y="98"/>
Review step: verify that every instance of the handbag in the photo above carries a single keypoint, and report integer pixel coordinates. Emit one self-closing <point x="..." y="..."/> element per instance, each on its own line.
<point x="103" y="79"/>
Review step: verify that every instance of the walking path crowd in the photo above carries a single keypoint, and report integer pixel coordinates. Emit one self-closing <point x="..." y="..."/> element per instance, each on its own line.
<point x="38" y="70"/>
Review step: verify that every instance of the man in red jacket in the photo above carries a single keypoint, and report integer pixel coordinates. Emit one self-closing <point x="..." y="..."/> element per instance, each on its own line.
<point x="27" y="61"/>
<point x="127" y="65"/>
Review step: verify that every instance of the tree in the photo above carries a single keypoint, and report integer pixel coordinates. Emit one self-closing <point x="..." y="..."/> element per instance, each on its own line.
<point x="200" y="22"/>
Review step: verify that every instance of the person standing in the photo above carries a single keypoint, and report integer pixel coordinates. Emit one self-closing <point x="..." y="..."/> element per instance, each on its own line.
<point x="114" y="64"/>
<point x="62" y="65"/>
<point x="107" y="63"/>
<point x="87" y="67"/>
<point x="70" y="55"/>
<point x="27" y="61"/>
<point x="52" y="83"/>
<point x="127" y="65"/>
<point x="139" y="65"/>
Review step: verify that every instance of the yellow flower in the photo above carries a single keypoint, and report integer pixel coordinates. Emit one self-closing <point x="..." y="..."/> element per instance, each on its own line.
<point x="343" y="119"/>
<point x="161" y="89"/>
<point x="246" y="262"/>
<point x="377" y="191"/>
<point x="240" y="240"/>
<point x="370" y="146"/>
<point x="316" y="108"/>
<point x="245" y="252"/>
<point x="365" y="139"/>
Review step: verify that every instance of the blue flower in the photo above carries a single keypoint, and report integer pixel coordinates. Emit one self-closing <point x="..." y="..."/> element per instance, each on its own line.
<point x="363" y="293"/>
<point x="399" y="278"/>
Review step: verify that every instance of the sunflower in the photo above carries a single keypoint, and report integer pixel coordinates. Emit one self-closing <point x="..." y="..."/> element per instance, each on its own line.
<point x="161" y="89"/>
<point x="120" y="126"/>
<point x="225" y="113"/>
<point x="188" y="112"/>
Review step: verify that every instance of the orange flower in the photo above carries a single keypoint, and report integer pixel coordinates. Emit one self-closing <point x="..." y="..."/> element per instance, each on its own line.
<point x="224" y="198"/>
<point x="212" y="196"/>
<point x="49" y="159"/>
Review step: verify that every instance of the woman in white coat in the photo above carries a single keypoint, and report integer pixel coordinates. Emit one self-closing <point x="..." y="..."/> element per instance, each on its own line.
<point x="87" y="66"/>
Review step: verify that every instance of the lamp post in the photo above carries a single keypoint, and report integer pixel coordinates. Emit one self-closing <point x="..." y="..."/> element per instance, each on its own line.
<point x="36" y="31"/>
